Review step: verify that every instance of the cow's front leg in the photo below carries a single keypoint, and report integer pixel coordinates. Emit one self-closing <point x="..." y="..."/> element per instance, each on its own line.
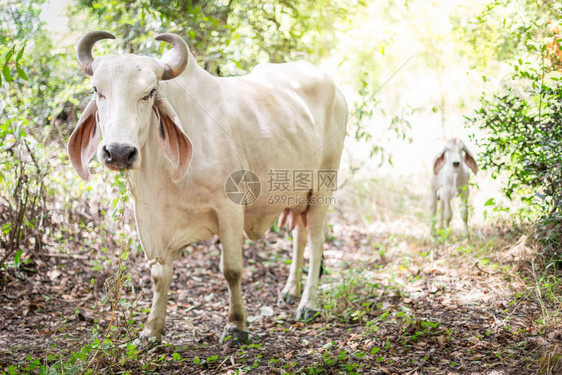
<point x="161" y="280"/>
<point x="232" y="267"/>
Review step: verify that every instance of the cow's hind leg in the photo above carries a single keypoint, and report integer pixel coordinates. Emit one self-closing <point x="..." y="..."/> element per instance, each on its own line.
<point x="316" y="218"/>
<point x="291" y="292"/>
<point x="232" y="267"/>
<point x="161" y="280"/>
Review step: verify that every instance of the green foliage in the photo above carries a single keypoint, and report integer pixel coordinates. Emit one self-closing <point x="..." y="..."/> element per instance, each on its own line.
<point x="12" y="62"/>
<point x="19" y="221"/>
<point x="525" y="136"/>
<point x="226" y="37"/>
<point x="37" y="99"/>
<point x="505" y="30"/>
<point x="522" y="120"/>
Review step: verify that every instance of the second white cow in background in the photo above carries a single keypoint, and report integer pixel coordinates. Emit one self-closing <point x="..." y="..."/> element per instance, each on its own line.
<point x="450" y="179"/>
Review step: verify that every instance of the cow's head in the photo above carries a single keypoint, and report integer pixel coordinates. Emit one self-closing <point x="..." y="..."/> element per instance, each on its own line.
<point x="454" y="153"/>
<point x="127" y="101"/>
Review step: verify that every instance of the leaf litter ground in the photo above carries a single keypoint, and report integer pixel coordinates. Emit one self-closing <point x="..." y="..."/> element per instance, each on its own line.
<point x="392" y="304"/>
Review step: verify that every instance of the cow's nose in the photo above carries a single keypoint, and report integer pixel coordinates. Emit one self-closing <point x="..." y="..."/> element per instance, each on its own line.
<point x="119" y="156"/>
<point x="456" y="163"/>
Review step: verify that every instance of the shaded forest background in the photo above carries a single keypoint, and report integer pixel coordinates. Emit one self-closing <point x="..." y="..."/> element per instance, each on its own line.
<point x="414" y="73"/>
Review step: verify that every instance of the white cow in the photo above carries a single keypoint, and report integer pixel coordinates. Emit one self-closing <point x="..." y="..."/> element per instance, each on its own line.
<point x="182" y="132"/>
<point x="450" y="179"/>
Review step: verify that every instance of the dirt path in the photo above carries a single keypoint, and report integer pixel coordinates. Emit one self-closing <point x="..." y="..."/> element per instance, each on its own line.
<point x="392" y="305"/>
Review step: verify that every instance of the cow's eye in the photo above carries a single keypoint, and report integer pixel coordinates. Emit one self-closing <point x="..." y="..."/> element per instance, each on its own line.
<point x="149" y="95"/>
<point x="97" y="92"/>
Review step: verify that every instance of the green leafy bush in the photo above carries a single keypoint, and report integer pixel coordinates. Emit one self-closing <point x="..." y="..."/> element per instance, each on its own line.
<point x="523" y="121"/>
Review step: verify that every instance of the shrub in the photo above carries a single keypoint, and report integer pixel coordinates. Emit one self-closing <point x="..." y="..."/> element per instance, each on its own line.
<point x="523" y="121"/>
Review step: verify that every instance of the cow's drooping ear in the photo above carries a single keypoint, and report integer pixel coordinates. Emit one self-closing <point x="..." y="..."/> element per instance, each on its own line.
<point x="175" y="144"/>
<point x="84" y="140"/>
<point x="469" y="160"/>
<point x="439" y="162"/>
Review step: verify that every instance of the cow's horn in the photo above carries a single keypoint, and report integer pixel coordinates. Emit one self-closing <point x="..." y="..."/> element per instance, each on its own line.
<point x="84" y="49"/>
<point x="175" y="60"/>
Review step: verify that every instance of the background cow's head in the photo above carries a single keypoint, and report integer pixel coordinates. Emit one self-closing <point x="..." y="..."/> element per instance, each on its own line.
<point x="127" y="101"/>
<point x="454" y="153"/>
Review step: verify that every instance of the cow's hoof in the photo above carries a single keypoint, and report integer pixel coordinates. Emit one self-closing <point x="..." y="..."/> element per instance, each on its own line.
<point x="307" y="314"/>
<point x="287" y="298"/>
<point x="233" y="336"/>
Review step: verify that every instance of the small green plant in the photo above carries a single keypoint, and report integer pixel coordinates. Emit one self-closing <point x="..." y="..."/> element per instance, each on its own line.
<point x="442" y="235"/>
<point x="111" y="342"/>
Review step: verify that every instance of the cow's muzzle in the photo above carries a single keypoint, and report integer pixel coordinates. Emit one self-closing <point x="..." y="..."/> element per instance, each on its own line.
<point x="456" y="164"/>
<point x="119" y="156"/>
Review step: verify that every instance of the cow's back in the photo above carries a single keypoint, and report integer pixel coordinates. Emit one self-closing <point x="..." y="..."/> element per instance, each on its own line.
<point x="325" y="102"/>
<point x="315" y="91"/>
